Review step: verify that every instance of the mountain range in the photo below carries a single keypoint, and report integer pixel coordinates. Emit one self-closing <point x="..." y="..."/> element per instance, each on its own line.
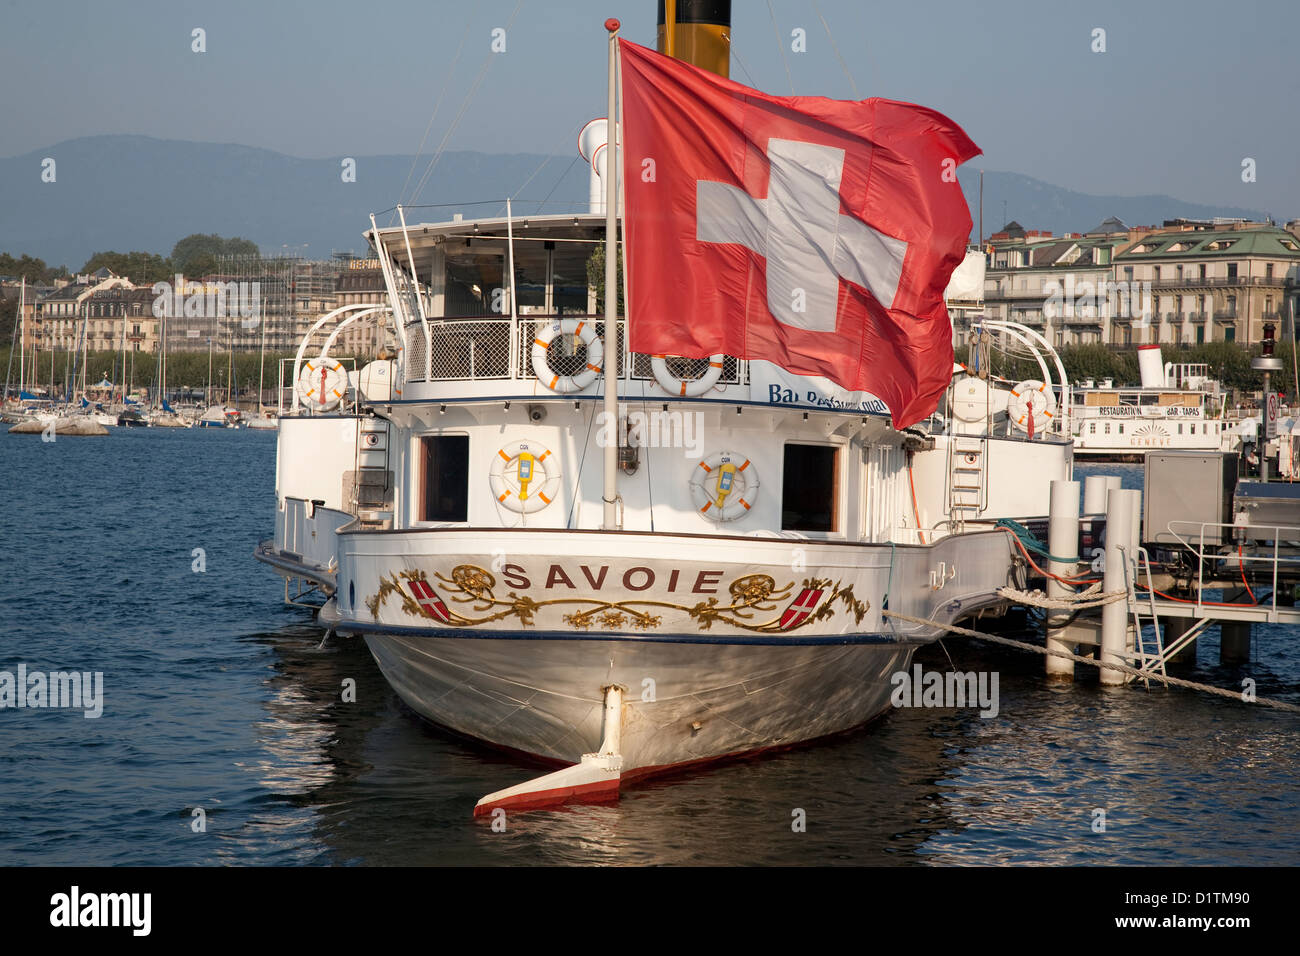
<point x="126" y="193"/>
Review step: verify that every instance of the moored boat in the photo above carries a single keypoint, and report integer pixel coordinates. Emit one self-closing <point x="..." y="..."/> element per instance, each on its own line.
<point x="614" y="559"/>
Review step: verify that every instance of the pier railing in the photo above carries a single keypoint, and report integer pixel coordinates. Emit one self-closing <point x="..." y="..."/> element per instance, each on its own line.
<point x="1214" y="531"/>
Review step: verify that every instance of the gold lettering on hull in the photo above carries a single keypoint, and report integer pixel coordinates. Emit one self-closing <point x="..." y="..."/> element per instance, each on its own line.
<point x="756" y="603"/>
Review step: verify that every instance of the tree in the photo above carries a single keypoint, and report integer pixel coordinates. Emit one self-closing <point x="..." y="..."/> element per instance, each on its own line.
<point x="34" y="269"/>
<point x="142" y="268"/>
<point x="199" y="254"/>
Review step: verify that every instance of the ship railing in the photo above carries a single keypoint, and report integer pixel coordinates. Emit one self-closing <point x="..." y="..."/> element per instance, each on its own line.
<point x="1203" y="540"/>
<point x="492" y="347"/>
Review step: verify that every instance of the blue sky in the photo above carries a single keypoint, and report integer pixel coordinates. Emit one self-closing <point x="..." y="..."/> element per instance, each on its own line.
<point x="1182" y="94"/>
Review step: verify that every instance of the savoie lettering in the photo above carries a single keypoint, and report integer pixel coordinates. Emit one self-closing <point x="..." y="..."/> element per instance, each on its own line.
<point x="585" y="577"/>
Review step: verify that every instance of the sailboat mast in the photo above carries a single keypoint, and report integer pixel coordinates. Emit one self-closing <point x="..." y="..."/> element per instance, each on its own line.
<point x="22" y="339"/>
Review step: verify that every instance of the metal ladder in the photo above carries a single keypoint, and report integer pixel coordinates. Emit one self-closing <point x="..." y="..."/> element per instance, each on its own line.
<point x="1149" y="661"/>
<point x="967" y="484"/>
<point x="370" y="487"/>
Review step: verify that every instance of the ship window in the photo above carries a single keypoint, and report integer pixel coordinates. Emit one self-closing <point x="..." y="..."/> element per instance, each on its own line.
<point x="1092" y="428"/>
<point x="1121" y="428"/>
<point x="473" y="284"/>
<point x="1108" y="428"/>
<point x="531" y="262"/>
<point x="569" y="278"/>
<point x="1180" y="429"/>
<point x="810" y="488"/>
<point x="446" y="478"/>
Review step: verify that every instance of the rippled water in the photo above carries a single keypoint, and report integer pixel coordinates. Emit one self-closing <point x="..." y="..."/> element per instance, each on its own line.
<point x="218" y="696"/>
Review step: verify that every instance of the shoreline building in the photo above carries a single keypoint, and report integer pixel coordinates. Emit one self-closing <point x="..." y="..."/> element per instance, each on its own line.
<point x="1214" y="281"/>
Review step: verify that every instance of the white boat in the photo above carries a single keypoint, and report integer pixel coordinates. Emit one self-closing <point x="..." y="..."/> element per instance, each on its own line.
<point x="451" y="506"/>
<point x="220" y="416"/>
<point x="1172" y="410"/>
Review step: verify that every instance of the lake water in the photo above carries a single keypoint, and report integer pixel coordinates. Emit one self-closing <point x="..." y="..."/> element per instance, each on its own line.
<point x="217" y="696"/>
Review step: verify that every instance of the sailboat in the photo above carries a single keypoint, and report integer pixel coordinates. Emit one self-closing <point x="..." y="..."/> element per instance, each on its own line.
<point x="613" y="561"/>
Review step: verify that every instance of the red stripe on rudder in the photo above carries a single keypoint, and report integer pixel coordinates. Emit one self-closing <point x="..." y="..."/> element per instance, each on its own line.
<point x="601" y="791"/>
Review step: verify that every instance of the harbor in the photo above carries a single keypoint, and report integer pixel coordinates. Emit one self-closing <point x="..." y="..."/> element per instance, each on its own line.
<point x="289" y="773"/>
<point x="739" y="494"/>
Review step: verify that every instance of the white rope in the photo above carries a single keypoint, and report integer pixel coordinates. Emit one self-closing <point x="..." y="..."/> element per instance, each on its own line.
<point x="1040" y="599"/>
<point x="1106" y="665"/>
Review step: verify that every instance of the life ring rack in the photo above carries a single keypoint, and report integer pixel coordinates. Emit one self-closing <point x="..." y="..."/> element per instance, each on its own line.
<point x="686" y="387"/>
<point x="529" y="491"/>
<point x="724" y="486"/>
<point x="585" y="330"/>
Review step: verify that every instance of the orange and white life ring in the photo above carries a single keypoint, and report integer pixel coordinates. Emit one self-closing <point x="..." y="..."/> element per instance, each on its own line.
<point x="686" y="388"/>
<point x="524" y="477"/>
<point x="322" y="383"/>
<point x="585" y="330"/>
<point x="1031" y="399"/>
<point x="724" y="486"/>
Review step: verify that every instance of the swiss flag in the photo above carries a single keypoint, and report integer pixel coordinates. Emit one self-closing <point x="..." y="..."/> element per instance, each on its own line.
<point x="812" y="233"/>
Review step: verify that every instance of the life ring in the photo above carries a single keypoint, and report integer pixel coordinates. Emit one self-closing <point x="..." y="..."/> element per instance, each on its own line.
<point x="1031" y="399"/>
<point x="724" y="486"/>
<point x="586" y="332"/>
<point x="322" y="383"/>
<point x="514" y="477"/>
<point x="687" y="388"/>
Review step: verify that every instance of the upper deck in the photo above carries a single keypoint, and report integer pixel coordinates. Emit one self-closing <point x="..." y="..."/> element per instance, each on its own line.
<point x="475" y="303"/>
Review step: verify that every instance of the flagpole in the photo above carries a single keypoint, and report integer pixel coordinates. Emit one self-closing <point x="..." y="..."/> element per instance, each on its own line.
<point x="612" y="350"/>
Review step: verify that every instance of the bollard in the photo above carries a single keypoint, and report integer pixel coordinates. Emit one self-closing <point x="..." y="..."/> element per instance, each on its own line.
<point x="1120" y="517"/>
<point x="1094" y="494"/>
<point x="1063" y="541"/>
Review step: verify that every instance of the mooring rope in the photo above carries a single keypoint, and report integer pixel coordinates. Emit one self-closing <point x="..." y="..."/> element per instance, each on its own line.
<point x="1040" y="599"/>
<point x="1107" y="665"/>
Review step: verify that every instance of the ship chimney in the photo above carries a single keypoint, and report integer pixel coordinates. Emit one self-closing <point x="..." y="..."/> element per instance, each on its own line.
<point x="1151" y="366"/>
<point x="697" y="32"/>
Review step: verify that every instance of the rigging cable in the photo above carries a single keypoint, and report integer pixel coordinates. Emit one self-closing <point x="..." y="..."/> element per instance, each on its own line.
<point x="780" y="46"/>
<point x="436" y="107"/>
<point x="845" y="66"/>
<point x="464" y="106"/>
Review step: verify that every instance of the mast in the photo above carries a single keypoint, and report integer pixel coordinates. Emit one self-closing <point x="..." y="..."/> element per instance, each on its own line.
<point x="22" y="338"/>
<point x="612" y="351"/>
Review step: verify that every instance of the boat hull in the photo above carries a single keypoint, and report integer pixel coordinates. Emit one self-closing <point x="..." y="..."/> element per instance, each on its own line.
<point x="745" y="645"/>
<point x="685" y="703"/>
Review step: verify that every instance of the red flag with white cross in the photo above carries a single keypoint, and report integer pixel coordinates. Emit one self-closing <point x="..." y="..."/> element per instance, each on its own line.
<point x="815" y="234"/>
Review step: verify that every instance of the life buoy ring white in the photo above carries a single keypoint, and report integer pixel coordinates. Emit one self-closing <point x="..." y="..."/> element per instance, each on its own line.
<point x="322" y="383"/>
<point x="724" y="486"/>
<point x="585" y="330"/>
<point x="1031" y="399"/>
<point x="515" y="480"/>
<point x="687" y="388"/>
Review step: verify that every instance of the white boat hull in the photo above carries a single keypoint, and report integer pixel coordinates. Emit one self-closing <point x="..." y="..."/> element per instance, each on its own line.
<point x="729" y="651"/>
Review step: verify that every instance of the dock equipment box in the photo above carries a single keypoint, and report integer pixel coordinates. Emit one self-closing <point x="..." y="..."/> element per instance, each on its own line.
<point x="1187" y="486"/>
<point x="1270" y="504"/>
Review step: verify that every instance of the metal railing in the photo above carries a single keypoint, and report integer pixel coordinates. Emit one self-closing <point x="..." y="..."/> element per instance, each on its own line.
<point x="1216" y="558"/>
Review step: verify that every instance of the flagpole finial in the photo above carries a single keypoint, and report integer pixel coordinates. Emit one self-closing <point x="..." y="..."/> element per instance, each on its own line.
<point x="612" y="25"/>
